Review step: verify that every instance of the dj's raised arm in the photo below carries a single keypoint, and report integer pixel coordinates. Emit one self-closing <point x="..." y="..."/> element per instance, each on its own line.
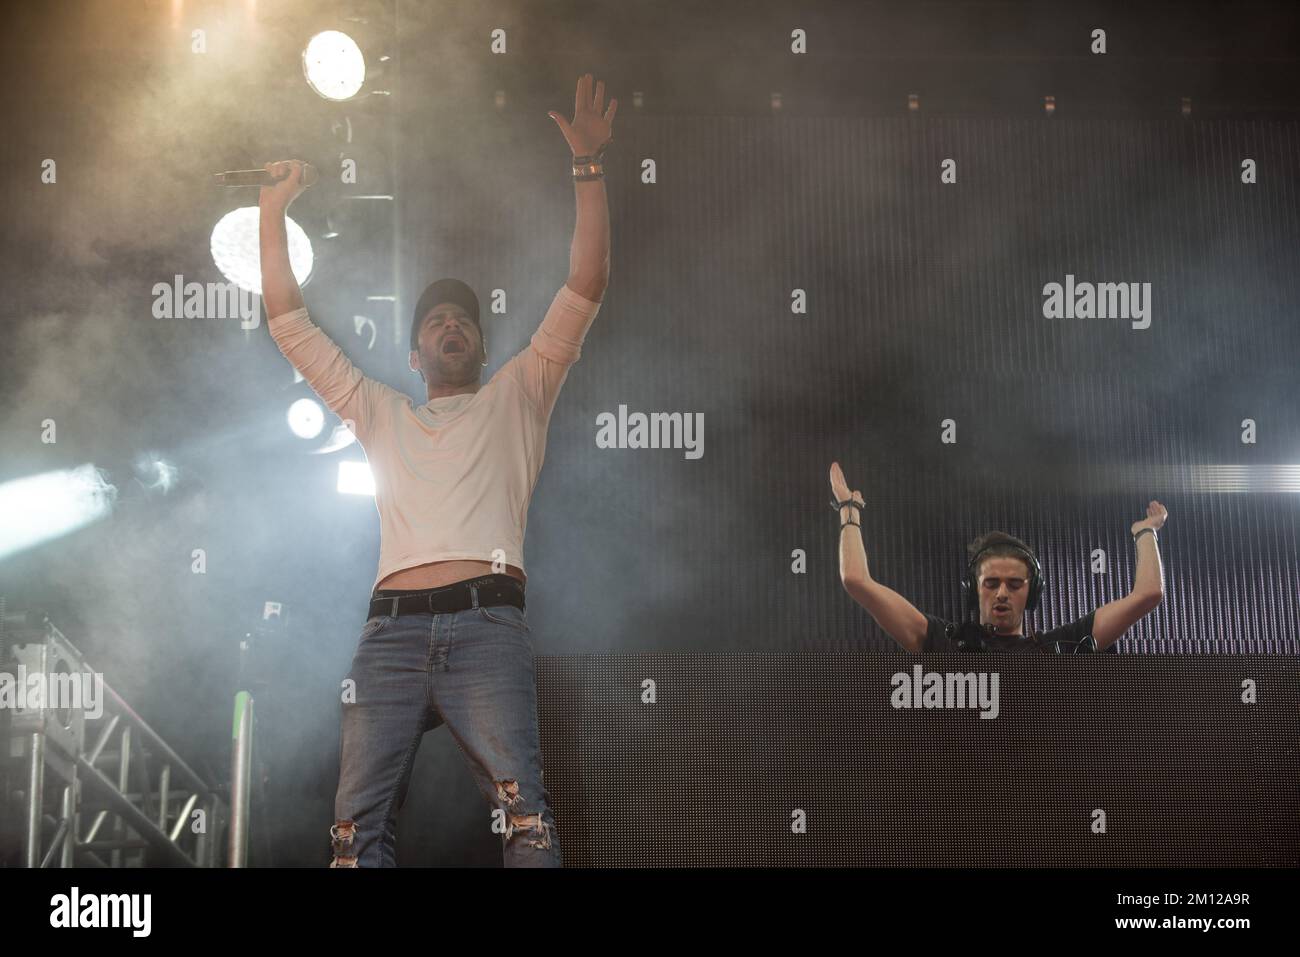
<point x="1111" y="620"/>
<point x="900" y="619"/>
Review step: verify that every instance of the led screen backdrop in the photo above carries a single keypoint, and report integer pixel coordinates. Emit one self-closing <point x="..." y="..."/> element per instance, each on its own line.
<point x="809" y="289"/>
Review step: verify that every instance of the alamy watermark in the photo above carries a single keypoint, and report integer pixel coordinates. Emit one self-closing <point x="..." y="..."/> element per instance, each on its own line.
<point x="75" y="909"/>
<point x="951" y="689"/>
<point x="1103" y="300"/>
<point x="64" y="690"/>
<point x="206" y="300"/>
<point x="654" y="430"/>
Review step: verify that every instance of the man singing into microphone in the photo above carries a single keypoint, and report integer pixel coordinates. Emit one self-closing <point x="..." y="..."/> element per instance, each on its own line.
<point x="1003" y="580"/>
<point x="446" y="639"/>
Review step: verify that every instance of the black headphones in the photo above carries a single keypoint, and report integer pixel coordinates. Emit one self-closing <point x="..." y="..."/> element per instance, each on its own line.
<point x="970" y="586"/>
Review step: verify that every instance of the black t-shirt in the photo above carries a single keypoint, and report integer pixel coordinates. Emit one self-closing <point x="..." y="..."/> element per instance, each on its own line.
<point x="943" y="636"/>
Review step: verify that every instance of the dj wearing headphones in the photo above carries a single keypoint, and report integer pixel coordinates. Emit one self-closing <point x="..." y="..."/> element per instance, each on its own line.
<point x="1003" y="581"/>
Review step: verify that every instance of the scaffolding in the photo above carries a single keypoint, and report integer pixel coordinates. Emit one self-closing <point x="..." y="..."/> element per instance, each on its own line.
<point x="96" y="785"/>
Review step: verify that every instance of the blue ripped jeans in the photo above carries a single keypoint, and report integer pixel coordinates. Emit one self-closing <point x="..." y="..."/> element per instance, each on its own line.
<point x="470" y="669"/>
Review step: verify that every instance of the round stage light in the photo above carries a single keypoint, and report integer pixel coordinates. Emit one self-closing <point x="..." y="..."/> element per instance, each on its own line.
<point x="333" y="65"/>
<point x="236" y="252"/>
<point x="306" y="419"/>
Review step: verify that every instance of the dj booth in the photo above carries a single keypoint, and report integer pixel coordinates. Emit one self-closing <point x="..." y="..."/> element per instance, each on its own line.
<point x="943" y="760"/>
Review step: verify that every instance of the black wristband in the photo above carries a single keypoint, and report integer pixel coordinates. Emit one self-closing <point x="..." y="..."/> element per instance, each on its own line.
<point x="850" y="503"/>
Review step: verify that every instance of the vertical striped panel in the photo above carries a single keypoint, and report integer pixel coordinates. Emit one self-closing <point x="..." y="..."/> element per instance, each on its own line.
<point x="924" y="303"/>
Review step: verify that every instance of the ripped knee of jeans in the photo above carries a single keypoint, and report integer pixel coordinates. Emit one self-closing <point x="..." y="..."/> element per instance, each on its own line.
<point x="508" y="792"/>
<point x="534" y="825"/>
<point x="343" y="833"/>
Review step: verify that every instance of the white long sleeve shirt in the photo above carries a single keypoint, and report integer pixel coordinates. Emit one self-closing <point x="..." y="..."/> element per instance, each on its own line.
<point x="454" y="476"/>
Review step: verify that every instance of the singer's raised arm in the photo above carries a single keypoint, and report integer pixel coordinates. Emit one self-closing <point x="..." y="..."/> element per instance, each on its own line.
<point x="352" y="396"/>
<point x="588" y="134"/>
<point x="280" y="290"/>
<point x="541" y="369"/>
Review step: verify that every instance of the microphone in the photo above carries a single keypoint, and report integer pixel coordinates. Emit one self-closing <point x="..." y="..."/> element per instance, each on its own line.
<point x="260" y="177"/>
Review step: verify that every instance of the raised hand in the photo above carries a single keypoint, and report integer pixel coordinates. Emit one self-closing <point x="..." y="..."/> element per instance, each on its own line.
<point x="1156" y="515"/>
<point x="590" y="129"/>
<point x="840" y="489"/>
<point x="289" y="184"/>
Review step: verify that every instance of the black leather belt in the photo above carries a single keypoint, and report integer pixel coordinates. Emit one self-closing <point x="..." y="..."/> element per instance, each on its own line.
<point x="471" y="593"/>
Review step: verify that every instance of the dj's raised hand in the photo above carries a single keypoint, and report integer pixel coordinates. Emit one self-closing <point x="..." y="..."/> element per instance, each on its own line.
<point x="840" y="489"/>
<point x="592" y="125"/>
<point x="1155" y="520"/>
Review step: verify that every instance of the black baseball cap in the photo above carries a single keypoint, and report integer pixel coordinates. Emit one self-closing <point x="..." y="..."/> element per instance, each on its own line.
<point x="444" y="290"/>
